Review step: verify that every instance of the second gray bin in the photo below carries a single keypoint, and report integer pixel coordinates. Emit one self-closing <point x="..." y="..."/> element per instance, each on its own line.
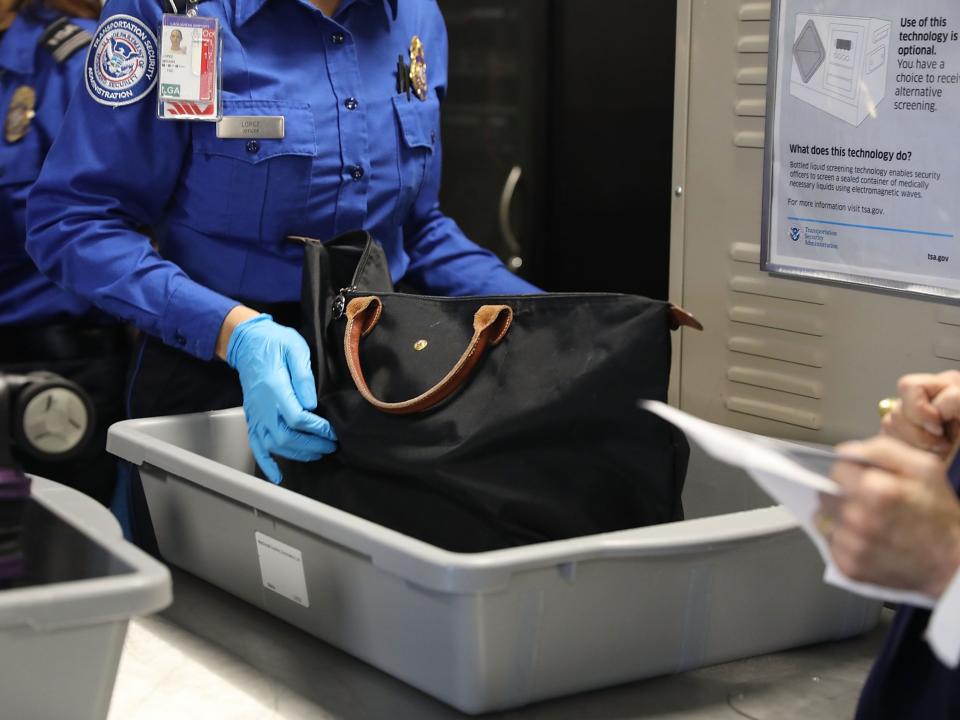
<point x="61" y="639"/>
<point x="501" y="629"/>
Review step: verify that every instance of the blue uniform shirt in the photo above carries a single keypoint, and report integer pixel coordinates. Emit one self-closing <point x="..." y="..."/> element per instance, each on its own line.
<point x="26" y="296"/>
<point x="355" y="154"/>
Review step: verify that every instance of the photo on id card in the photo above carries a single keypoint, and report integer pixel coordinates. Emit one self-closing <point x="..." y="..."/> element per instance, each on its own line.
<point x="189" y="68"/>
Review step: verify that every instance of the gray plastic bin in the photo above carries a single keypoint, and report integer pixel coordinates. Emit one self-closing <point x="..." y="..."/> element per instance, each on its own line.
<point x="60" y="640"/>
<point x="499" y="629"/>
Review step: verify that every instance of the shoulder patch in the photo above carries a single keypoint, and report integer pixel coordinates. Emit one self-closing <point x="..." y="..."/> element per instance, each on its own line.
<point x="121" y="62"/>
<point x="62" y="39"/>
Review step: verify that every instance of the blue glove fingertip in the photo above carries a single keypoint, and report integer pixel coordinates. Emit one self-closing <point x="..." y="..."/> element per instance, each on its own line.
<point x="271" y="470"/>
<point x="331" y="433"/>
<point x="265" y="461"/>
<point x="305" y="447"/>
<point x="313" y="424"/>
<point x="301" y="375"/>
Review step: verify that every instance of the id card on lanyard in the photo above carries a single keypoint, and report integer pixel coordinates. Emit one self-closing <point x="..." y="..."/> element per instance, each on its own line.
<point x="190" y="61"/>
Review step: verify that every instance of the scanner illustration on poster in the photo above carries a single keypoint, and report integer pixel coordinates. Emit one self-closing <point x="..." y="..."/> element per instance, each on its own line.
<point x="862" y="173"/>
<point x="840" y="64"/>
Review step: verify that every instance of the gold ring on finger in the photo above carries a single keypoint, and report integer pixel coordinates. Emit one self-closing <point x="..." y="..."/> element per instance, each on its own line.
<point x="887" y="406"/>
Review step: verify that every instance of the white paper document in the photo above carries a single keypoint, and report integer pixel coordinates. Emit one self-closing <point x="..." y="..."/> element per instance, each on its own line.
<point x="795" y="475"/>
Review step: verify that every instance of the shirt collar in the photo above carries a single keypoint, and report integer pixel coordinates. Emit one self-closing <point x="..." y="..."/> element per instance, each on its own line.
<point x="18" y="48"/>
<point x="246" y="9"/>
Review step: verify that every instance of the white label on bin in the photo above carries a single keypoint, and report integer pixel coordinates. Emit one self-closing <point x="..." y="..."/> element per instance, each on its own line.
<point x="281" y="569"/>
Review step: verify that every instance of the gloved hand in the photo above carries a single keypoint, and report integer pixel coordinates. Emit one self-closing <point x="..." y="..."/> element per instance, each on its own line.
<point x="278" y="391"/>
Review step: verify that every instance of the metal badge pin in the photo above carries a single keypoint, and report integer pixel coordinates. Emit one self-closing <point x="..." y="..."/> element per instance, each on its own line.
<point x="20" y="113"/>
<point x="418" y="68"/>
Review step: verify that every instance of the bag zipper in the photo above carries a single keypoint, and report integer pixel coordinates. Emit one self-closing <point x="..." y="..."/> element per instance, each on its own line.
<point x="364" y="258"/>
<point x="340" y="301"/>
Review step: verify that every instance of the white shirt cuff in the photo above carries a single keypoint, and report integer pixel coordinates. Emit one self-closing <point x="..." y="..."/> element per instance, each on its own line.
<point x="943" y="630"/>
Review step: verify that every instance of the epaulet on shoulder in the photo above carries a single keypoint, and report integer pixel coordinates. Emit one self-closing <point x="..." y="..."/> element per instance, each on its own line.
<point x="178" y="7"/>
<point x="62" y="39"/>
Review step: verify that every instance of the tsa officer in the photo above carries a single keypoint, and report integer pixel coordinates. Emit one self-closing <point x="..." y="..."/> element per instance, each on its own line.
<point x="331" y="123"/>
<point x="42" y="327"/>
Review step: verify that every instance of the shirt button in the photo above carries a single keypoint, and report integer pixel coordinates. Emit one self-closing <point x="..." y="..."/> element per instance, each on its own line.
<point x="337" y="38"/>
<point x="181" y="340"/>
<point x="253" y="146"/>
<point x="356" y="172"/>
<point x="351" y="103"/>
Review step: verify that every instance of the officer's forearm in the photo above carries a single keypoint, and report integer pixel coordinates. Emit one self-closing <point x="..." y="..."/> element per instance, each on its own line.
<point x="230" y="322"/>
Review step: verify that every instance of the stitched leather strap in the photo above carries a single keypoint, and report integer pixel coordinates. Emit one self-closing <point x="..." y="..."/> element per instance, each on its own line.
<point x="490" y="326"/>
<point x="681" y="318"/>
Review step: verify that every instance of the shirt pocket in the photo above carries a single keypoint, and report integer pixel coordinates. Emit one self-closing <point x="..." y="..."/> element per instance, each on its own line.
<point x="418" y="126"/>
<point x="251" y="189"/>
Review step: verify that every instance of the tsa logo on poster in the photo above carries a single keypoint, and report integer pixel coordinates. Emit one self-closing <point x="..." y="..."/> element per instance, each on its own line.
<point x="121" y="61"/>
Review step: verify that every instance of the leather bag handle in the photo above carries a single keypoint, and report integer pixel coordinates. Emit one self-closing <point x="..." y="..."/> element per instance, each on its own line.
<point x="490" y="326"/>
<point x="681" y="318"/>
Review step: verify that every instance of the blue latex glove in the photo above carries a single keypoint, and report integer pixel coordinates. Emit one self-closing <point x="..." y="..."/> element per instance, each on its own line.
<point x="278" y="392"/>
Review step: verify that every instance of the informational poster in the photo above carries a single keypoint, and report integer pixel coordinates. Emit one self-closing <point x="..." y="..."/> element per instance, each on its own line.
<point x="862" y="160"/>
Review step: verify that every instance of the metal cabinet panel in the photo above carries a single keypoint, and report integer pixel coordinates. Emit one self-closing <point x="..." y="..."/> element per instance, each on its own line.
<point x="779" y="356"/>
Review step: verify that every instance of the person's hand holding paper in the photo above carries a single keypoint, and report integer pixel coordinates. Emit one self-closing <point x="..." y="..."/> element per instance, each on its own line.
<point x="867" y="517"/>
<point x="898" y="526"/>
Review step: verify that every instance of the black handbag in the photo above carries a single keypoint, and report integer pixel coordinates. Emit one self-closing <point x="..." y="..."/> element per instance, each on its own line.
<point x="483" y="423"/>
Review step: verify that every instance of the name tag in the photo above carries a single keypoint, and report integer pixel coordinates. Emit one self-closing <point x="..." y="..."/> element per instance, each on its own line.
<point x="267" y="127"/>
